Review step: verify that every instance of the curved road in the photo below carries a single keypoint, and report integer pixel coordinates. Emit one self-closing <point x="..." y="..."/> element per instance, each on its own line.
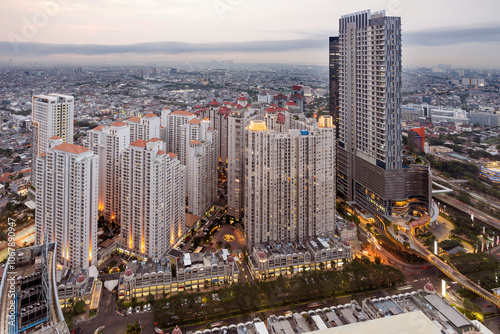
<point x="454" y="274"/>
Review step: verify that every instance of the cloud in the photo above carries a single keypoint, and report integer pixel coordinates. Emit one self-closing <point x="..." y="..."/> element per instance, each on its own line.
<point x="43" y="49"/>
<point x="438" y="37"/>
<point x="452" y="36"/>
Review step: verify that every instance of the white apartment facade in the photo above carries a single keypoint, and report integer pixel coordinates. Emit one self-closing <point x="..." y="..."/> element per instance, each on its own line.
<point x="52" y="115"/>
<point x="145" y="127"/>
<point x="202" y="162"/>
<point x="109" y="142"/>
<point x="289" y="189"/>
<point x="237" y="121"/>
<point x="152" y="199"/>
<point x="172" y="133"/>
<point x="67" y="202"/>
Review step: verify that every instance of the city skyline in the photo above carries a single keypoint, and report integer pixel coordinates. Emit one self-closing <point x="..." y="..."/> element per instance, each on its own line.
<point x="60" y="30"/>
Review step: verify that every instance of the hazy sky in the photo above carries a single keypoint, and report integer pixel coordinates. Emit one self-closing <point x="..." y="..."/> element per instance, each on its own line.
<point x="461" y="33"/>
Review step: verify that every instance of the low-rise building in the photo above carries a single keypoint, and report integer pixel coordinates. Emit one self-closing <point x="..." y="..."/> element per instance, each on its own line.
<point x="191" y="271"/>
<point x="274" y="259"/>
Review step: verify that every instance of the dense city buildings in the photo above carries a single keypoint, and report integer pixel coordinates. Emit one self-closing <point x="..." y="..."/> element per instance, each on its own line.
<point x="152" y="199"/>
<point x="245" y="148"/>
<point x="370" y="149"/>
<point x="289" y="179"/>
<point x="52" y="115"/>
<point x="67" y="202"/>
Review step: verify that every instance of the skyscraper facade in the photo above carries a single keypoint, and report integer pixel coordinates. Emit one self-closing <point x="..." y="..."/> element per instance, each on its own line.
<point x="109" y="142"/>
<point x="145" y="127"/>
<point x="334" y="64"/>
<point x="202" y="157"/>
<point x="172" y="133"/>
<point x="52" y="115"/>
<point x="289" y="181"/>
<point x="152" y="199"/>
<point x="237" y="121"/>
<point x="67" y="202"/>
<point x="370" y="151"/>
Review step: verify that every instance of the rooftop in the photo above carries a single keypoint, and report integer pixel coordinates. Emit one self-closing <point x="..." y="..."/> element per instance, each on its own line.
<point x="71" y="148"/>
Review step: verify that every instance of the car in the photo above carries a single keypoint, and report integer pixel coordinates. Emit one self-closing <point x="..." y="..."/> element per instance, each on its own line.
<point x="149" y="307"/>
<point x="138" y="309"/>
<point x="129" y="310"/>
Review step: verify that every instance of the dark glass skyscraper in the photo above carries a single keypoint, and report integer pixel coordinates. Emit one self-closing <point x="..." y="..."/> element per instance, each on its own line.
<point x="334" y="80"/>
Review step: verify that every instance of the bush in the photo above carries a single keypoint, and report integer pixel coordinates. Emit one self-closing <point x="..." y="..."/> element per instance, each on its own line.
<point x="450" y="244"/>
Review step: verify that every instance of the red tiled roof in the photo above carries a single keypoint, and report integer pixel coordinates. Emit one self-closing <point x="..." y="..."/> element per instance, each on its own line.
<point x="120" y="123"/>
<point x="182" y="113"/>
<point x="5" y="176"/>
<point x="297" y="87"/>
<point x="161" y="152"/>
<point x="154" y="140"/>
<point x="223" y="111"/>
<point x="194" y="121"/>
<point x="271" y="109"/>
<point x="55" y="137"/>
<point x="172" y="155"/>
<point x="242" y="98"/>
<point x="150" y="115"/>
<point x="198" y="106"/>
<point x="194" y="142"/>
<point x="291" y="103"/>
<point x="71" y="148"/>
<point x="134" y="119"/>
<point x="214" y="103"/>
<point x="98" y="128"/>
<point x="139" y="143"/>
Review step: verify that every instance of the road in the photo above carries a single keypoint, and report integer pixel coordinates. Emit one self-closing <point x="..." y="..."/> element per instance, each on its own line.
<point x="454" y="274"/>
<point x="114" y="323"/>
<point x="489" y="200"/>
<point x="487" y="219"/>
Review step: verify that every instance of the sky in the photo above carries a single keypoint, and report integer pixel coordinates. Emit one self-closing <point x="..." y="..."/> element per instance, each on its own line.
<point x="460" y="33"/>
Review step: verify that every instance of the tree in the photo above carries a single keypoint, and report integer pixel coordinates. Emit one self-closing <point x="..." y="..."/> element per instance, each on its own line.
<point x="321" y="266"/>
<point x="150" y="298"/>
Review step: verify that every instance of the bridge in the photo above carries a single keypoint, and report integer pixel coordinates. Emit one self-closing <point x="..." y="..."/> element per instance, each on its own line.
<point x="451" y="272"/>
<point x="442" y="189"/>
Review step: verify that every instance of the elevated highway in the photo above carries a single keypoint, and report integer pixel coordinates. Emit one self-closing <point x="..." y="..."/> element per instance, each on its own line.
<point x="452" y="272"/>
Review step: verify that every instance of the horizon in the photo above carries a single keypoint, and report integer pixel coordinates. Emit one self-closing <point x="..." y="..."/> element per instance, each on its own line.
<point x="198" y="31"/>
